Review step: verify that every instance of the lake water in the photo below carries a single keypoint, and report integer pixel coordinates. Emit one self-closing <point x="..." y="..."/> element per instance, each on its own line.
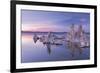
<point x="39" y="52"/>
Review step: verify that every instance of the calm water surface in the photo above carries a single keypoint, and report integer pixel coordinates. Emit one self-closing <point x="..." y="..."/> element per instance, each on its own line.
<point x="39" y="52"/>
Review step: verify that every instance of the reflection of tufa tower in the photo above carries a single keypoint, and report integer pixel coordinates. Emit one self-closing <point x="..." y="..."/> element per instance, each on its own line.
<point x="81" y="35"/>
<point x="77" y="35"/>
<point x="35" y="38"/>
<point x="71" y="33"/>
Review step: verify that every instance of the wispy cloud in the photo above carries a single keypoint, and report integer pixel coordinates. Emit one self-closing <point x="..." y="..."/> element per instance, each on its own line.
<point x="53" y="21"/>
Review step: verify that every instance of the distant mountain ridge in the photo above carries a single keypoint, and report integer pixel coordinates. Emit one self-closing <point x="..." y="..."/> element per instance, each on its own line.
<point x="31" y="32"/>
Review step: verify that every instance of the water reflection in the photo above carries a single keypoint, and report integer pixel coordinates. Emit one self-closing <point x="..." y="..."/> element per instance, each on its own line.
<point x="51" y="39"/>
<point x="48" y="48"/>
<point x="56" y="50"/>
<point x="55" y="46"/>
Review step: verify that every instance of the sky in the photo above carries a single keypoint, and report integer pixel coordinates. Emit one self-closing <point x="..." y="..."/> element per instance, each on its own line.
<point x="54" y="21"/>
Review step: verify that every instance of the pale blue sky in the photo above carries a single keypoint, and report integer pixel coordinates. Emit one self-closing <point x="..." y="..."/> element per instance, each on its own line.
<point x="33" y="20"/>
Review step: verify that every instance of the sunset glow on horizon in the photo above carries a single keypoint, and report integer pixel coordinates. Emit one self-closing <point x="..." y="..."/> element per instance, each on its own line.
<point x="45" y="21"/>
